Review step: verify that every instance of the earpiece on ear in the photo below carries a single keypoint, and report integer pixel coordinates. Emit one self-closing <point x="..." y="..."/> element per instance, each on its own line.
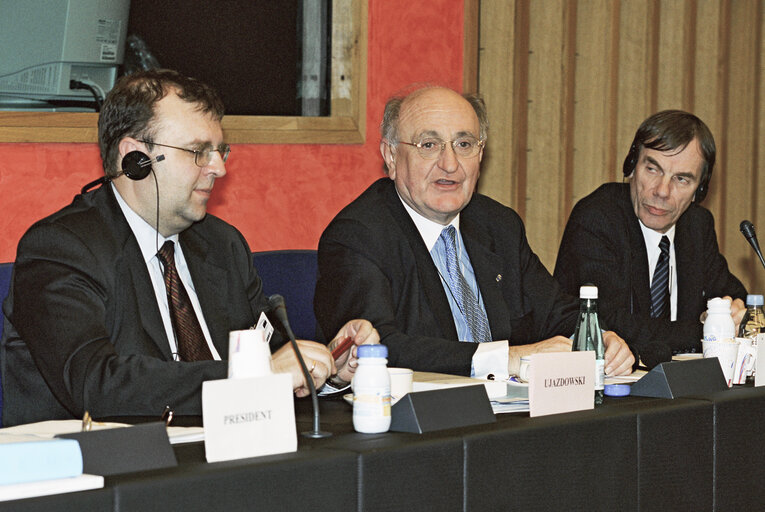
<point x="136" y="165"/>
<point x="632" y="159"/>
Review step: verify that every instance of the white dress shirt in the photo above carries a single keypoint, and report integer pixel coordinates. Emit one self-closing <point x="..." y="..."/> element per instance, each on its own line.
<point x="652" y="239"/>
<point x="489" y="357"/>
<point x="150" y="241"/>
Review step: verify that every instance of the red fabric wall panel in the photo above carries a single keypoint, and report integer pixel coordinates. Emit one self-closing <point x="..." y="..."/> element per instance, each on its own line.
<point x="279" y="196"/>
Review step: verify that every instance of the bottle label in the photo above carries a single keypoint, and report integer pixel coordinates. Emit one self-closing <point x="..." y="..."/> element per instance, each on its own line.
<point x="371" y="404"/>
<point x="600" y="374"/>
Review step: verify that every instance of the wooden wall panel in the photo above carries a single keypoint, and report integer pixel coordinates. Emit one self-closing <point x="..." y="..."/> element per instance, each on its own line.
<point x="711" y="63"/>
<point x="739" y="165"/>
<point x="585" y="73"/>
<point x="636" y="93"/>
<point x="758" y="185"/>
<point x="544" y="148"/>
<point x="674" y="55"/>
<point x="498" y="166"/>
<point x="594" y="99"/>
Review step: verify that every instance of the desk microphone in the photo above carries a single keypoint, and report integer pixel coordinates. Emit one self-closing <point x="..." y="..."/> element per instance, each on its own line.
<point x="748" y="231"/>
<point x="99" y="181"/>
<point x="276" y="303"/>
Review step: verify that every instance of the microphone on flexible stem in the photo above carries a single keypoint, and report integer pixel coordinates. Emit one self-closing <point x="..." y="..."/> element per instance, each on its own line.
<point x="276" y="303"/>
<point x="748" y="231"/>
<point x="99" y="181"/>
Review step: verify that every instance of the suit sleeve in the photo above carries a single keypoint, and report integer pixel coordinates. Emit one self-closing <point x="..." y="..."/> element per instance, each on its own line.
<point x="63" y="300"/>
<point x="719" y="281"/>
<point x="359" y="278"/>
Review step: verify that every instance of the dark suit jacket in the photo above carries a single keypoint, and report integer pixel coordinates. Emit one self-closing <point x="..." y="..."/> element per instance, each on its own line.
<point x="374" y="264"/>
<point x="603" y="245"/>
<point x="81" y="302"/>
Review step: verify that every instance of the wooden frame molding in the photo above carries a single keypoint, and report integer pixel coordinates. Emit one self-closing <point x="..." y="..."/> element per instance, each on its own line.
<point x="345" y="125"/>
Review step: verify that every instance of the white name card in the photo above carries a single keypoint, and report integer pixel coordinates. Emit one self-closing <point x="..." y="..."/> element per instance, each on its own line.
<point x="248" y="417"/>
<point x="759" y="362"/>
<point x="561" y="382"/>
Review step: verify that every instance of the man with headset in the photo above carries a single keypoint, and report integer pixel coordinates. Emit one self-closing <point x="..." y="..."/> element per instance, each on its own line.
<point x="122" y="302"/>
<point x="649" y="246"/>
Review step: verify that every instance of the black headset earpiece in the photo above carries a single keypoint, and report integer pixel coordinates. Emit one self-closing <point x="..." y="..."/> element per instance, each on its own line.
<point x="136" y="165"/>
<point x="632" y="159"/>
<point x="701" y="191"/>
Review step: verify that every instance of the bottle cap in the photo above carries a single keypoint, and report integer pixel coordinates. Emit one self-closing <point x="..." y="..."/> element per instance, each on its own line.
<point x="754" y="300"/>
<point x="718" y="304"/>
<point x="372" y="351"/>
<point x="618" y="390"/>
<point x="588" y="291"/>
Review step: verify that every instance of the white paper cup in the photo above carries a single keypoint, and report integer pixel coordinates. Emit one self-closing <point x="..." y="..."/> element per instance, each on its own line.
<point x="524" y="369"/>
<point x="248" y="354"/>
<point x="744" y="361"/>
<point x="726" y="352"/>
<point x="400" y="382"/>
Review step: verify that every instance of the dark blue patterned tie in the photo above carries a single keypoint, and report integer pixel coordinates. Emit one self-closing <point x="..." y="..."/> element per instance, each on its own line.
<point x="475" y="316"/>
<point x="660" y="283"/>
<point x="192" y="345"/>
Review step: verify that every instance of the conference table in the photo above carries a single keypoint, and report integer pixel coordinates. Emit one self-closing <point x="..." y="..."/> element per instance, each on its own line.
<point x="697" y="453"/>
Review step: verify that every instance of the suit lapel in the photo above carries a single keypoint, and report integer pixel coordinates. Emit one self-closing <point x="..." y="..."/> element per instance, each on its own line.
<point x="686" y="266"/>
<point x="210" y="284"/>
<point x="487" y="266"/>
<point x="132" y="258"/>
<point x="147" y="302"/>
<point x="427" y="272"/>
<point x="638" y="272"/>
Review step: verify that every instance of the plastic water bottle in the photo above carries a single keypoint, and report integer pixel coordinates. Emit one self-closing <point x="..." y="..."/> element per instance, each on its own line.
<point x="371" y="390"/>
<point x="719" y="324"/>
<point x="588" y="335"/>
<point x="753" y="322"/>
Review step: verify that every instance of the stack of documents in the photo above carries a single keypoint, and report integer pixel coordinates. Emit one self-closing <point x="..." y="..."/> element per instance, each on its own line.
<point x="505" y="395"/>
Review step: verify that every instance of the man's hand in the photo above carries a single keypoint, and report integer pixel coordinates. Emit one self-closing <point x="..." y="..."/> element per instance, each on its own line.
<point x="317" y="358"/>
<point x="556" y="344"/>
<point x="619" y="358"/>
<point x="737" y="310"/>
<point x="362" y="333"/>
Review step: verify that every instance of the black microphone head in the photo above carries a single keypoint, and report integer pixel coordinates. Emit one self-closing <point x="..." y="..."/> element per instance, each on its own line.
<point x="655" y="353"/>
<point x="747" y="229"/>
<point x="100" y="181"/>
<point x="276" y="301"/>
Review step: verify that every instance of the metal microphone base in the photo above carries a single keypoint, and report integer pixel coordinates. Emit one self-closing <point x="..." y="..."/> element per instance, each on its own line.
<point x="316" y="434"/>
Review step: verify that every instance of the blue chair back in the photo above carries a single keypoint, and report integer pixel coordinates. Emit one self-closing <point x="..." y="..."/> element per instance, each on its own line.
<point x="6" y="269"/>
<point x="292" y="274"/>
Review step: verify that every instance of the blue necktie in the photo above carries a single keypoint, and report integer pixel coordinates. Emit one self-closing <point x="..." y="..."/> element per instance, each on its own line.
<point x="475" y="316"/>
<point x="660" y="283"/>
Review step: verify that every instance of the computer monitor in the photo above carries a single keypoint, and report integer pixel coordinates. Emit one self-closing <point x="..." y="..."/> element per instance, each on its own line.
<point x="45" y="45"/>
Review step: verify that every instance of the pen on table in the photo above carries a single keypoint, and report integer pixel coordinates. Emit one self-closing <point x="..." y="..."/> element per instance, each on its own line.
<point x="342" y="347"/>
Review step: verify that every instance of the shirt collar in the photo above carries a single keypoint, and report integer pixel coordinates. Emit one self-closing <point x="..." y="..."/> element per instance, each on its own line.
<point x="429" y="230"/>
<point x="143" y="231"/>
<point x="652" y="237"/>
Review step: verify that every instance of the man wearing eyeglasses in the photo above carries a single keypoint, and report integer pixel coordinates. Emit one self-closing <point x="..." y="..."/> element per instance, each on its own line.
<point x="122" y="302"/>
<point x="431" y="263"/>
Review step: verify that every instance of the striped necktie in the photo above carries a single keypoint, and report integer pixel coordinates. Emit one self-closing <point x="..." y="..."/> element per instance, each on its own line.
<point x="192" y="345"/>
<point x="660" y="283"/>
<point x="475" y="316"/>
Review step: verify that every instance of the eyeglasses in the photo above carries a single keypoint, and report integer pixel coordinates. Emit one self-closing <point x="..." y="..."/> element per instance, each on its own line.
<point x="202" y="156"/>
<point x="430" y="148"/>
